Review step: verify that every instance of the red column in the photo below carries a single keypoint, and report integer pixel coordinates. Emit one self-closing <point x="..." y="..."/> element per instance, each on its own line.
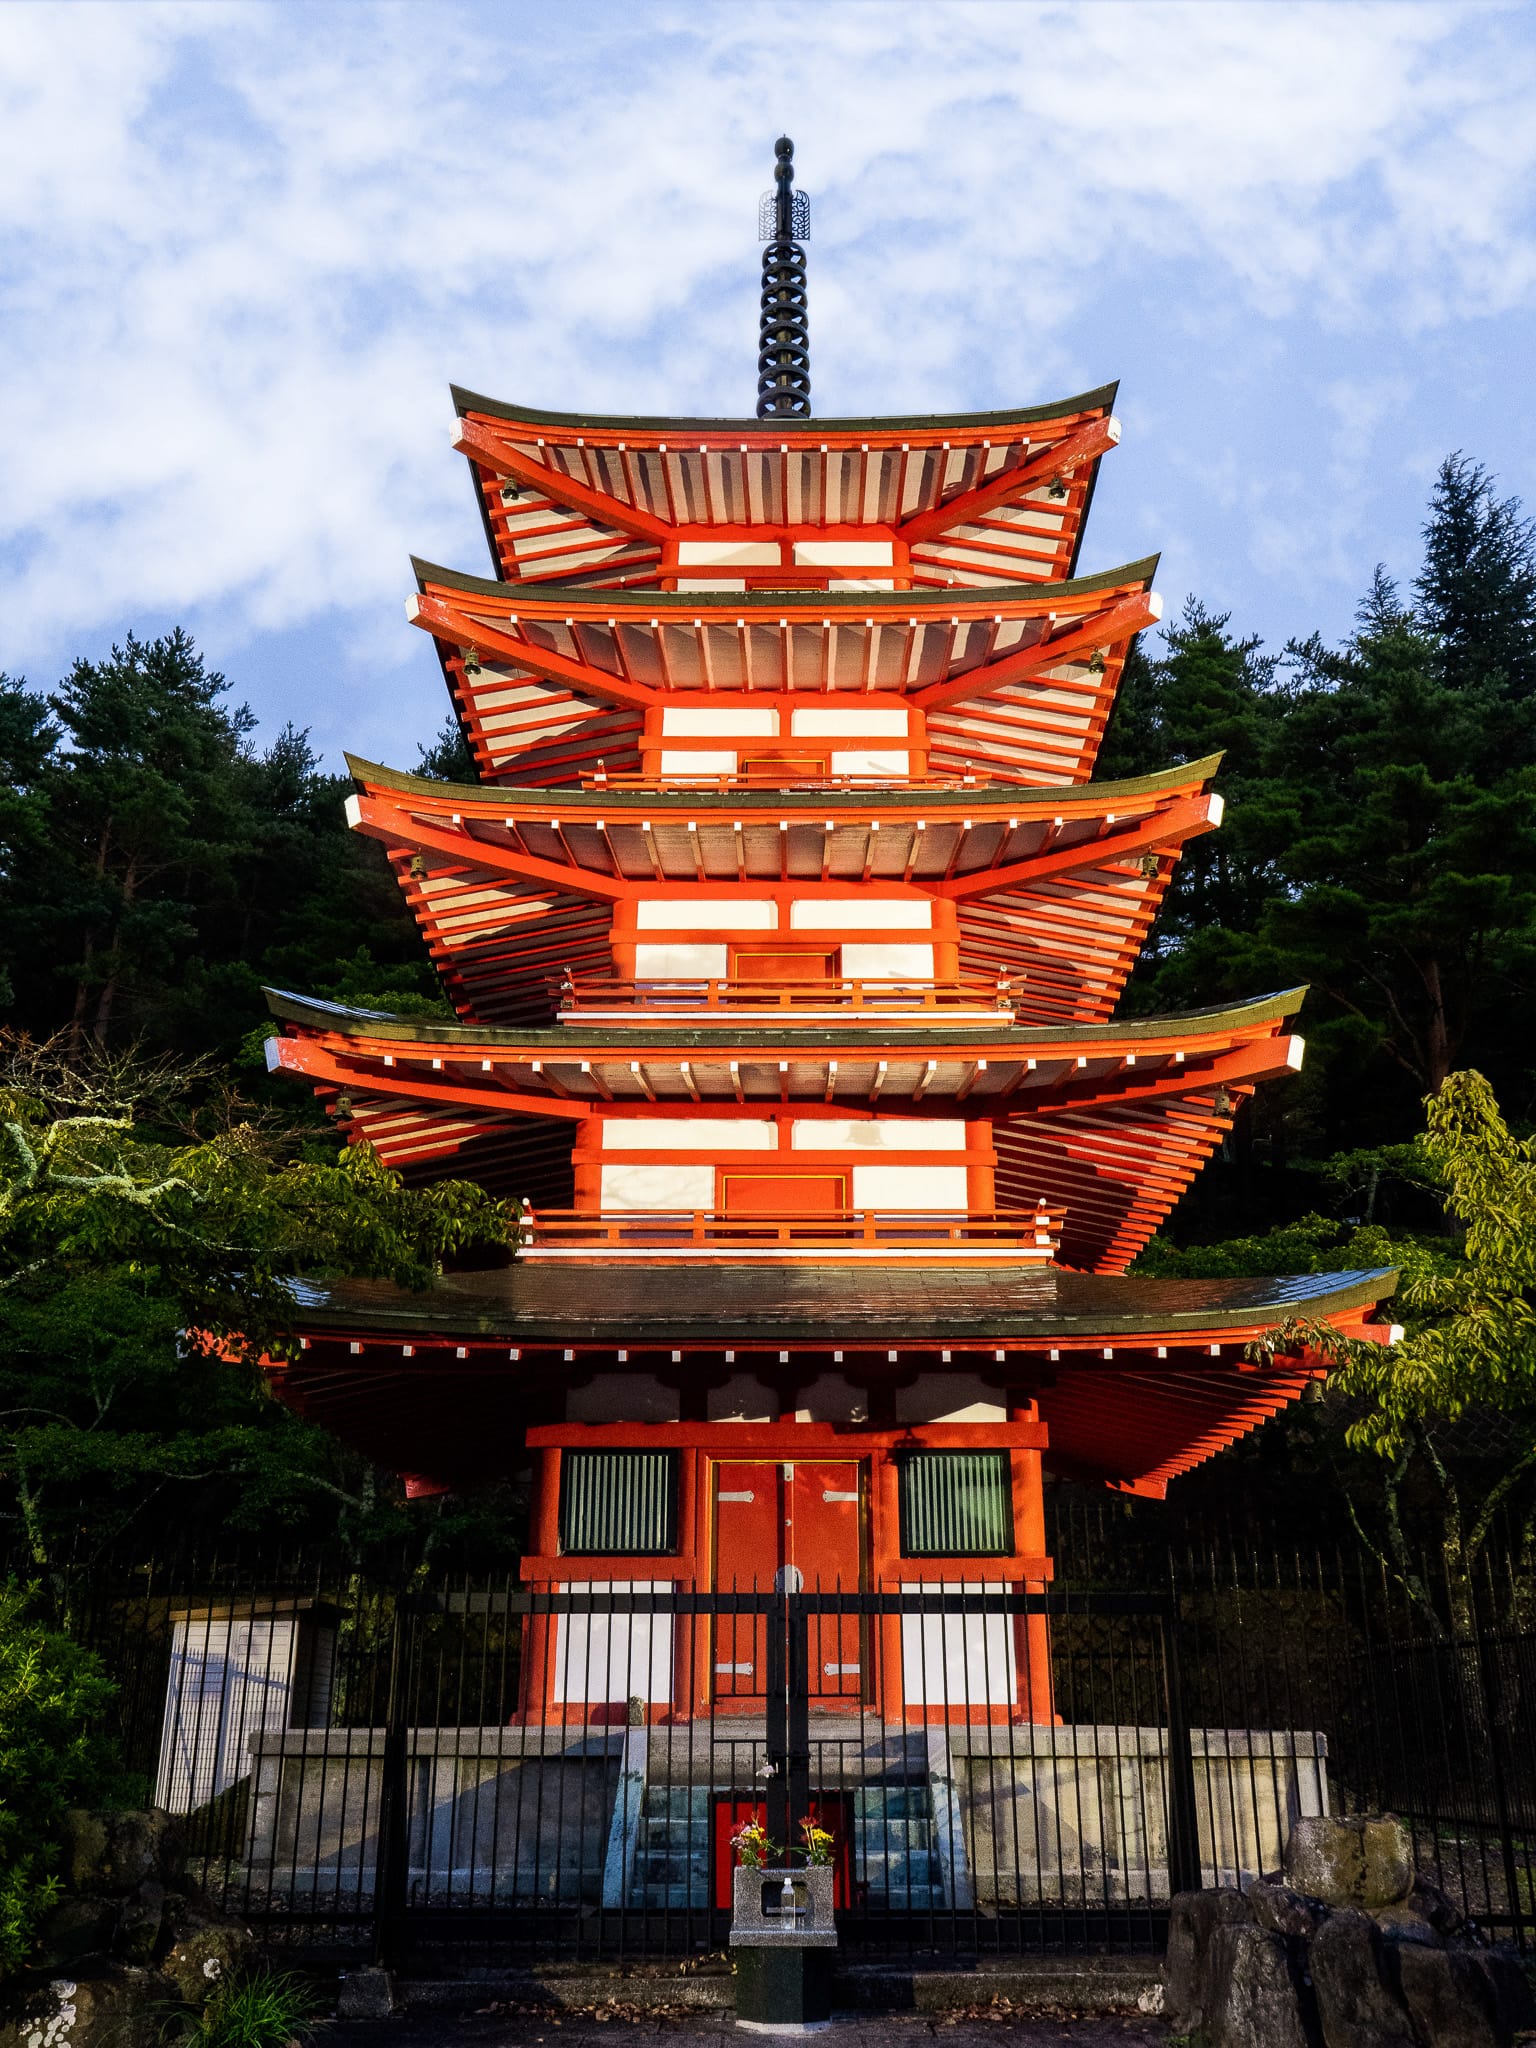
<point x="1032" y="1643"/>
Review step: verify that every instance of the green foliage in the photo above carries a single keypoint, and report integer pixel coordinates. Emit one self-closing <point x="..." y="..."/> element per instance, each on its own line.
<point x="1471" y="1339"/>
<point x="256" y="2009"/>
<point x="156" y="868"/>
<point x="53" y="1755"/>
<point x="142" y="1271"/>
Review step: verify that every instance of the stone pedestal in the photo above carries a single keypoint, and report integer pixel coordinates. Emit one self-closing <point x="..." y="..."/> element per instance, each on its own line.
<point x="782" y="1944"/>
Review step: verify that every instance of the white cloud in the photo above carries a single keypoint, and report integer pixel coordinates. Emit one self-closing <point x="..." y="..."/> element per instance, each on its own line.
<point x="245" y="246"/>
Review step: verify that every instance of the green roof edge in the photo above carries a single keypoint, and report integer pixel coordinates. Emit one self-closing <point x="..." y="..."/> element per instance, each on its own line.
<point x="448" y="1311"/>
<point x="1103" y="398"/>
<point x="1024" y="797"/>
<point x="292" y="1008"/>
<point x="579" y="596"/>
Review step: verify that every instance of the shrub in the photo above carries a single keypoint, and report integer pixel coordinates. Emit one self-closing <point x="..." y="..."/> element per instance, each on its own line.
<point x="256" y="2009"/>
<point x="53" y="1755"/>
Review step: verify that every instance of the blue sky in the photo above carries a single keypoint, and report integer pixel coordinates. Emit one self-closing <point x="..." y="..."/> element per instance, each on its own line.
<point x="245" y="248"/>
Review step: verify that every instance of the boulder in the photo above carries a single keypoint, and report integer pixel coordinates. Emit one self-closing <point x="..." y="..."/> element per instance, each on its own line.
<point x="1283" y="1911"/>
<point x="1356" y="2007"/>
<point x="1192" y="1923"/>
<point x="1448" y="1997"/>
<point x="1364" y="1860"/>
<point x="1406" y="1923"/>
<point x="1435" y="1906"/>
<point x="1254" y="1992"/>
<point x="121" y="2009"/>
<point x="1513" y="1997"/>
<point x="77" y="1934"/>
<point x="140" y="1918"/>
<point x="111" y="1852"/>
<point x="204" y="1953"/>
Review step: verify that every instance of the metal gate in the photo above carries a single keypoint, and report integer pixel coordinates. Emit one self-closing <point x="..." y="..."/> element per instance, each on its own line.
<point x="602" y="1822"/>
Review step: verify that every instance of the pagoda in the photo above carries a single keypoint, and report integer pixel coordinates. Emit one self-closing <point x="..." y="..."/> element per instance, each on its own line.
<point x="786" y="929"/>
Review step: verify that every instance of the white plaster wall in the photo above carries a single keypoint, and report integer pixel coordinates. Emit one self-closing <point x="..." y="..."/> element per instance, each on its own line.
<point x="949" y="1397"/>
<point x="888" y="962"/>
<point x="723" y="914"/>
<point x="735" y="554"/>
<point x="861" y="913"/>
<point x="658" y="1187"/>
<point x="703" y="761"/>
<point x="910" y="1187"/>
<point x="695" y="1133"/>
<point x="833" y="1398"/>
<point x="601" y="1658"/>
<point x="956" y="1659"/>
<point x="837" y="554"/>
<point x="681" y="963"/>
<point x="846" y="762"/>
<point x="622" y="1397"/>
<point x="740" y="722"/>
<point x="851" y="723"/>
<point x="742" y="1399"/>
<point x="880" y="1134"/>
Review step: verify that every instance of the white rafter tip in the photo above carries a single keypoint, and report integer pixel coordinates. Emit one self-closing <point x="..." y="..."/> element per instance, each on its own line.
<point x="1295" y="1053"/>
<point x="1155" y="603"/>
<point x="413" y="607"/>
<point x="1215" y="807"/>
<point x="1396" y="1333"/>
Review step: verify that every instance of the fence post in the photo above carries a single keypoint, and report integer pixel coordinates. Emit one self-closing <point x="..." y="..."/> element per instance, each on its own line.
<point x="1183" y="1811"/>
<point x="391" y="1873"/>
<point x="798" y="1717"/>
<point x="1483" y="1651"/>
<point x="776" y="1730"/>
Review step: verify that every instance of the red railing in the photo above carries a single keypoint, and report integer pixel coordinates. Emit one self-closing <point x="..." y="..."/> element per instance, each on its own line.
<point x="856" y="993"/>
<point x="726" y="785"/>
<point x="1022" y="1233"/>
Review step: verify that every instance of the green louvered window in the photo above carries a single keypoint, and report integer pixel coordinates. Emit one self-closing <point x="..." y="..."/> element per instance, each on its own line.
<point x="618" y="1503"/>
<point x="956" y="1504"/>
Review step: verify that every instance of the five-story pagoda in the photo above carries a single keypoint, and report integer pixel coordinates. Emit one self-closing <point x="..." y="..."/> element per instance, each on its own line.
<point x="786" y="930"/>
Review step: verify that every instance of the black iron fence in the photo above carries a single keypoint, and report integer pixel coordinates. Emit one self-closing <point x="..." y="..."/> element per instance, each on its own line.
<point x="370" y="1759"/>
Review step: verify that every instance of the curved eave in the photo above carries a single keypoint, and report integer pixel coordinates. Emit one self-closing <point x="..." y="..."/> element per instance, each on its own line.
<point x="505" y="797"/>
<point x="310" y="1012"/>
<point x="982" y="598"/>
<point x="637" y="1308"/>
<point x="778" y="430"/>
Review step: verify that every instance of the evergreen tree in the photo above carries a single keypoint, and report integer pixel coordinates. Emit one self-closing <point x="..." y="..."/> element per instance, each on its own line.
<point x="1477" y="596"/>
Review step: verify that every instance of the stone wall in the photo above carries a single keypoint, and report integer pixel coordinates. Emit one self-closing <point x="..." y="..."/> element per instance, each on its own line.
<point x="1352" y="1950"/>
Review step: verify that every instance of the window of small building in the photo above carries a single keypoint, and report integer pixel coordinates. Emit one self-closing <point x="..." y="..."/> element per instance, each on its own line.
<point x="618" y="1503"/>
<point x="956" y="1504"/>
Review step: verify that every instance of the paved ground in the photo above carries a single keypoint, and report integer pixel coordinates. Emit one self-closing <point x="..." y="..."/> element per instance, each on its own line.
<point x="992" y="2025"/>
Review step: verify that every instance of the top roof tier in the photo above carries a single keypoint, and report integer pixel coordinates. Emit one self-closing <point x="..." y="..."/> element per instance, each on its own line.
<point x="871" y="504"/>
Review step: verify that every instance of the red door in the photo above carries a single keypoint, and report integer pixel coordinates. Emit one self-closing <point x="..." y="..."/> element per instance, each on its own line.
<point x="797" y="1527"/>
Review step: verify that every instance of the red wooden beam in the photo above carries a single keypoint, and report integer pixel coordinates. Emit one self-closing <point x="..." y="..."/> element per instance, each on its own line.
<point x="437" y="615"/>
<point x="480" y="447"/>
<point x="1100" y="629"/>
<point x="1083" y="445"/>
<point x="382" y="822"/>
<point x="306" y="1056"/>
<point x="1177" y="823"/>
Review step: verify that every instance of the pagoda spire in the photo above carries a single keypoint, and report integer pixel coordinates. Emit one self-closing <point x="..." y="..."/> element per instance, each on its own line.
<point x="784" y="341"/>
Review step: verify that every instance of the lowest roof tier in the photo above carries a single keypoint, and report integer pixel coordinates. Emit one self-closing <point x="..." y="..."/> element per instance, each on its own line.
<point x="1136" y="1379"/>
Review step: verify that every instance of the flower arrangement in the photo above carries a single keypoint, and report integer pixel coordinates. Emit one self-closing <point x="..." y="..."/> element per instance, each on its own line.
<point x="818" y="1840"/>
<point x="754" y="1851"/>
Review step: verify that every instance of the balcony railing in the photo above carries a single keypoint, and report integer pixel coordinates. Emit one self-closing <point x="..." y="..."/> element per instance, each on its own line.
<point x="1012" y="1236"/>
<point x="599" y="778"/>
<point x="738" y="1001"/>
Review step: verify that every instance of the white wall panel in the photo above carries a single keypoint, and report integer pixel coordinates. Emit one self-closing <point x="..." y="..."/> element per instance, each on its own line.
<point x="720" y="914"/>
<point x="680" y="963"/>
<point x="888" y="962"/>
<point x="861" y="913"/>
<point x="910" y="1187"/>
<point x="658" y="1187"/>
<point x="697" y="1134"/>
<point x="881" y="1134"/>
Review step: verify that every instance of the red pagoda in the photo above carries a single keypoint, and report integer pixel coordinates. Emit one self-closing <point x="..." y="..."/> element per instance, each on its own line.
<point x="786" y="929"/>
